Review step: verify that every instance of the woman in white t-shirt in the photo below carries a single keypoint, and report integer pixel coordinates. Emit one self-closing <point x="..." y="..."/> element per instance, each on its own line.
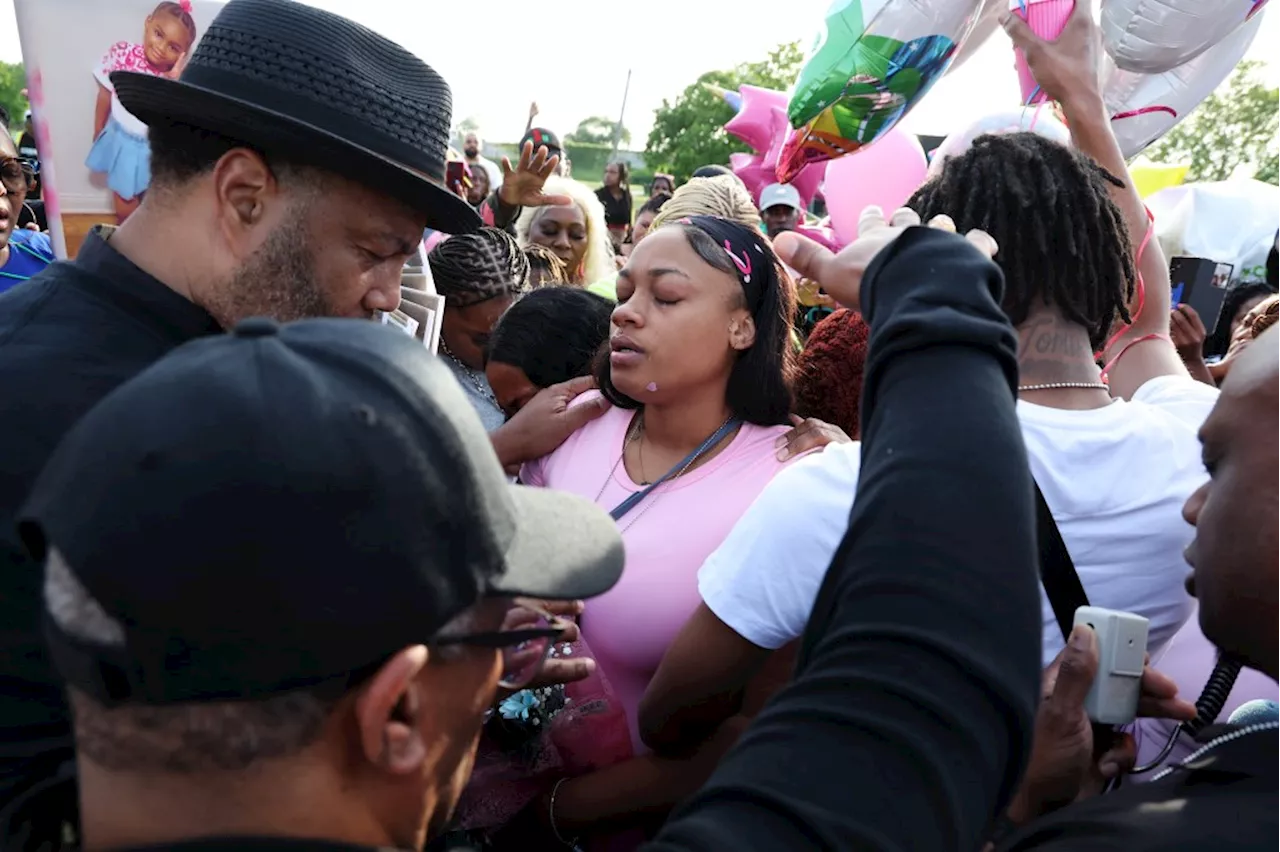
<point x="1115" y="460"/>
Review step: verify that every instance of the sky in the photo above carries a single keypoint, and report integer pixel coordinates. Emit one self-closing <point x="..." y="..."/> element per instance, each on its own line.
<point x="572" y="56"/>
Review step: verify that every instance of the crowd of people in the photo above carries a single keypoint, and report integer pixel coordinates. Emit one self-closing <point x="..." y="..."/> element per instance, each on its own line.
<point x="649" y="555"/>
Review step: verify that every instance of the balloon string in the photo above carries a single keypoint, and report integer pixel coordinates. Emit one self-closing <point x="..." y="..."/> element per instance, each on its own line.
<point x="1142" y="294"/>
<point x="1143" y="111"/>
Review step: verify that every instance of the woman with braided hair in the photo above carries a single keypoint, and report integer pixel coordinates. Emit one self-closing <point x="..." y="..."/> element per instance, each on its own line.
<point x="479" y="275"/>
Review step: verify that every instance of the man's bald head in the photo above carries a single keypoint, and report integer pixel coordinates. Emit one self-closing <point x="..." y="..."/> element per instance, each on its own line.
<point x="1234" y="554"/>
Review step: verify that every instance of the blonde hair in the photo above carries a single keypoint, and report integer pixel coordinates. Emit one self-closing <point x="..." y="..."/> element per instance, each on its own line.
<point x="597" y="263"/>
<point x="723" y="195"/>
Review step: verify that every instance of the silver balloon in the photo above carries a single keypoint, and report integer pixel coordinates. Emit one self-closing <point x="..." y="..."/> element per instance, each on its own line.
<point x="1154" y="36"/>
<point x="1144" y="107"/>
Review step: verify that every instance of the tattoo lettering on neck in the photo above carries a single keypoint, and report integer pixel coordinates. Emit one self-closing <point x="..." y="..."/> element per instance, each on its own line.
<point x="1052" y="350"/>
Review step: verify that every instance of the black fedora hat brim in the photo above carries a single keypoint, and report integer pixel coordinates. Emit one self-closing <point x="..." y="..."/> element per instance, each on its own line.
<point x="159" y="100"/>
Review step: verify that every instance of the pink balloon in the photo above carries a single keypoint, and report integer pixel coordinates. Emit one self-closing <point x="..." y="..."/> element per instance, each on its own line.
<point x="884" y="173"/>
<point x="822" y="234"/>
<point x="808" y="181"/>
<point x="750" y="170"/>
<point x="779" y="129"/>
<point x="754" y="122"/>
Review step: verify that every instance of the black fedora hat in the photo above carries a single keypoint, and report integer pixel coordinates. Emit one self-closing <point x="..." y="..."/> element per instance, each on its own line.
<point x="285" y="78"/>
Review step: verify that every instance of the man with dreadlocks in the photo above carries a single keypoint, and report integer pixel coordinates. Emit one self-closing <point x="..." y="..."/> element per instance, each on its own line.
<point x="479" y="275"/>
<point x="1115" y="461"/>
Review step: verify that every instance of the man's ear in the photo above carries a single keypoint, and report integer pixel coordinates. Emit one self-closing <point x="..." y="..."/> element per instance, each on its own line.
<point x="387" y="712"/>
<point x="243" y="187"/>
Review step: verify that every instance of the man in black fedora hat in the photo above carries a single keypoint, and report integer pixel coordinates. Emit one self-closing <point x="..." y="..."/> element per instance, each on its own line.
<point x="295" y="165"/>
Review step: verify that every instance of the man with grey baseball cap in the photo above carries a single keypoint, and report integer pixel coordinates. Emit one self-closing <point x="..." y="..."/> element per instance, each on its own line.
<point x="780" y="208"/>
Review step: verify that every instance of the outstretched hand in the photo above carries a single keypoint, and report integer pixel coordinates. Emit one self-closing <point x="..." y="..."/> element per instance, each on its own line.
<point x="840" y="275"/>
<point x="522" y="185"/>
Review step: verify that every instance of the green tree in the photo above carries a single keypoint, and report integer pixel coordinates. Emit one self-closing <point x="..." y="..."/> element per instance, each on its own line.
<point x="13" y="79"/>
<point x="1236" y="125"/>
<point x="689" y="133"/>
<point x="598" y="130"/>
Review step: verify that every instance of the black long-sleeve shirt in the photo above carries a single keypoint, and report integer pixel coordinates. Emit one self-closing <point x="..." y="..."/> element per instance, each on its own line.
<point x="910" y="717"/>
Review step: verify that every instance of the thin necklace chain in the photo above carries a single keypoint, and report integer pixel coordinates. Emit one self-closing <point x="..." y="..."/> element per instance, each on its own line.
<point x="1064" y="385"/>
<point x="481" y="386"/>
<point x="633" y="434"/>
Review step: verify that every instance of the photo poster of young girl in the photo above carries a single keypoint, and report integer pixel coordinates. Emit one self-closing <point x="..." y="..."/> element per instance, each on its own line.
<point x="98" y="150"/>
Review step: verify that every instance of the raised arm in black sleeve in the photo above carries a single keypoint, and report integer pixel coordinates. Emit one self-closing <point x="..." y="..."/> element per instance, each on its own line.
<point x="910" y="718"/>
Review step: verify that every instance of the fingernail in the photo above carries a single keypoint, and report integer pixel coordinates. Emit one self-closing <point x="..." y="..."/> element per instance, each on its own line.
<point x="1109" y="769"/>
<point x="783" y="454"/>
<point x="780" y="442"/>
<point x="1080" y="637"/>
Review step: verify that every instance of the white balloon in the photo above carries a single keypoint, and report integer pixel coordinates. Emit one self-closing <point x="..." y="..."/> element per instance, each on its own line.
<point x="1027" y="119"/>
<point x="1153" y="36"/>
<point x="1144" y="107"/>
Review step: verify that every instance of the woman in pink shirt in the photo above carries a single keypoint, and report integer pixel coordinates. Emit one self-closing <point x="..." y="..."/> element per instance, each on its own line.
<point x="699" y="377"/>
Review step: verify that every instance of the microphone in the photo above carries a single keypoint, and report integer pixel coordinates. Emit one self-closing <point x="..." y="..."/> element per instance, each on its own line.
<point x="1256" y="712"/>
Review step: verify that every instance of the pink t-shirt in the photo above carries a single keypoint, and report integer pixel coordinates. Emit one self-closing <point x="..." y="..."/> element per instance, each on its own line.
<point x="667" y="536"/>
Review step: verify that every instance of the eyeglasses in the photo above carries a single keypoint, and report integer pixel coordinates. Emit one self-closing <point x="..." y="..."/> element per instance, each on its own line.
<point x="527" y="634"/>
<point x="16" y="174"/>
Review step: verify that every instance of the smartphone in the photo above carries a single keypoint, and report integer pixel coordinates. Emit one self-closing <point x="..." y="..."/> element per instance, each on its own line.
<point x="1122" y="650"/>
<point x="457" y="175"/>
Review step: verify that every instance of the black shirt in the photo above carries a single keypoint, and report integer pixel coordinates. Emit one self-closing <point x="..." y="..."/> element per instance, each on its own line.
<point x="28" y="147"/>
<point x="33" y="211"/>
<point x="617" y="211"/>
<point x="1222" y="798"/>
<point x="909" y="720"/>
<point x="68" y="337"/>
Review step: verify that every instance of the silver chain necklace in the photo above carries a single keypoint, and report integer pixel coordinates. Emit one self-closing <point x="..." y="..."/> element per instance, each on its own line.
<point x="1064" y="385"/>
<point x="481" y="385"/>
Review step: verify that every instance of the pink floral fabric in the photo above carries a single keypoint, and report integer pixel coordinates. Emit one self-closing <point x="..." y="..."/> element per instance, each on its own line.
<point x="123" y="56"/>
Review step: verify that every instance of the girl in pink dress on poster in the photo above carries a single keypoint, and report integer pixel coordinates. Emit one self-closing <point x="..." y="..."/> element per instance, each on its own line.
<point x="119" y="139"/>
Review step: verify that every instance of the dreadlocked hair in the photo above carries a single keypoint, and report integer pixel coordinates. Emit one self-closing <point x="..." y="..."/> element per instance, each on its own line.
<point x="546" y="269"/>
<point x="1063" y="242"/>
<point x="472" y="268"/>
<point x="181" y="11"/>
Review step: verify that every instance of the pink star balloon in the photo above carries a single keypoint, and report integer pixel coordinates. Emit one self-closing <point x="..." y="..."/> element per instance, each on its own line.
<point x="751" y="170"/>
<point x="754" y="122"/>
<point x="779" y="130"/>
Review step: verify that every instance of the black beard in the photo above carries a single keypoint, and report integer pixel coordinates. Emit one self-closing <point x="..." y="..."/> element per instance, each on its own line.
<point x="471" y="152"/>
<point x="277" y="281"/>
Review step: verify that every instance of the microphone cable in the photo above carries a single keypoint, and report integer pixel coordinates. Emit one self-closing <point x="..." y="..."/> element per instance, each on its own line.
<point x="1210" y="703"/>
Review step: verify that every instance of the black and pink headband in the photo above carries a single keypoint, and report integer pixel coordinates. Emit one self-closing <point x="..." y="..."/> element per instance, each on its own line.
<point x="746" y="248"/>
